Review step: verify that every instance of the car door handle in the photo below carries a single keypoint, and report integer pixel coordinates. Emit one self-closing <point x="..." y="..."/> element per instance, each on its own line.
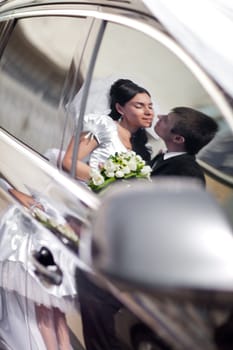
<point x="45" y="267"/>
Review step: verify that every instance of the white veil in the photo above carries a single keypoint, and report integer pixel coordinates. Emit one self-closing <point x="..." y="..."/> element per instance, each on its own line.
<point x="97" y="103"/>
<point x="98" y="97"/>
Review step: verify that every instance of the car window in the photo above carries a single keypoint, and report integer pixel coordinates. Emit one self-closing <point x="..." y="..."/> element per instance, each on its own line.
<point x="37" y="69"/>
<point x="171" y="83"/>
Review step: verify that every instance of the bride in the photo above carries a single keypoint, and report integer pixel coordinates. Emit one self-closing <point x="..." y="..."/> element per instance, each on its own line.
<point x="119" y="130"/>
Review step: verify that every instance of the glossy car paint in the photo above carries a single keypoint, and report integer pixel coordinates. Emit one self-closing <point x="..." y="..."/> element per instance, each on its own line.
<point x="39" y="79"/>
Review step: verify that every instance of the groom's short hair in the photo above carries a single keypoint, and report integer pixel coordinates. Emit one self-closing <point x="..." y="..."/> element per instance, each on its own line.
<point x="197" y="128"/>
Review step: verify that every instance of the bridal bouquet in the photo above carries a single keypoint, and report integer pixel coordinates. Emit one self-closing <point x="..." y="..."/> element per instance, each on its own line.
<point x="120" y="166"/>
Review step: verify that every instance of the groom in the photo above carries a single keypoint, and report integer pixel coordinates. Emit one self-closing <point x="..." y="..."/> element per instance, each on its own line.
<point x="185" y="131"/>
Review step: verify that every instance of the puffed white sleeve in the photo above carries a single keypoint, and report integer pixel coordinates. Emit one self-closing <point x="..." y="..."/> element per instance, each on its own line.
<point x="100" y="126"/>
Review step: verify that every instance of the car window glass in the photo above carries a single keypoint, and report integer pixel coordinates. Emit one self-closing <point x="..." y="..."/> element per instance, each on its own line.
<point x="34" y="77"/>
<point x="170" y="82"/>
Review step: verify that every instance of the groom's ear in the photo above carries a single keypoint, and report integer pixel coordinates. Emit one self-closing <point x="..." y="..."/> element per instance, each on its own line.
<point x="119" y="108"/>
<point x="178" y="139"/>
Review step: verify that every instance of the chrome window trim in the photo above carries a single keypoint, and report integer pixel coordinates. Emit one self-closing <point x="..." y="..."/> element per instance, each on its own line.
<point x="87" y="83"/>
<point x="136" y="7"/>
<point x="213" y="90"/>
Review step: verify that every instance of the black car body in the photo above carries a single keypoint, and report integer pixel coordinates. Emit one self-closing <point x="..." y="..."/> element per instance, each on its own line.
<point x="48" y="50"/>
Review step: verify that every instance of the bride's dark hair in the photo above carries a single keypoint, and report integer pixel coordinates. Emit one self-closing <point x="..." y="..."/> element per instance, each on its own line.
<point x="122" y="91"/>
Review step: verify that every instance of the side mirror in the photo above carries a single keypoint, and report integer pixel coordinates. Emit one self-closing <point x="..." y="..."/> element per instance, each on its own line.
<point x="168" y="236"/>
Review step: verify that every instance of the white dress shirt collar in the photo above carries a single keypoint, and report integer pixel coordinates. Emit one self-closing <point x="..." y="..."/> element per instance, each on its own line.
<point x="172" y="154"/>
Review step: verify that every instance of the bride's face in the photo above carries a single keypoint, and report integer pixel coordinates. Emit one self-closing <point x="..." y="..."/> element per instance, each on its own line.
<point x="138" y="112"/>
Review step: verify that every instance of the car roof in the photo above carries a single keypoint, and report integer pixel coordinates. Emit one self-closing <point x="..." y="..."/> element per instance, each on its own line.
<point x="132" y="5"/>
<point x="205" y="37"/>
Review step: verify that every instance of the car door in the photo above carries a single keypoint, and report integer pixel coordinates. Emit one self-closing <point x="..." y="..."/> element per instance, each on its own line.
<point x="41" y="76"/>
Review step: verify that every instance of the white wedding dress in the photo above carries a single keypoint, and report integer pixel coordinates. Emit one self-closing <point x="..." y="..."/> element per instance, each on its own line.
<point x="104" y="129"/>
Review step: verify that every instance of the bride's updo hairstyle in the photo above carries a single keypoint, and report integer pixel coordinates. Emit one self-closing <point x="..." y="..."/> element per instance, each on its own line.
<point x="122" y="91"/>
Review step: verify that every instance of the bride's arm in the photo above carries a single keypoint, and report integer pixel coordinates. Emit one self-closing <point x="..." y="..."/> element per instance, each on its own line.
<point x="86" y="146"/>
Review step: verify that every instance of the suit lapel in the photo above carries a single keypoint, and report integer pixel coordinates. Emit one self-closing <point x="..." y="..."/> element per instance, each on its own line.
<point x="157" y="160"/>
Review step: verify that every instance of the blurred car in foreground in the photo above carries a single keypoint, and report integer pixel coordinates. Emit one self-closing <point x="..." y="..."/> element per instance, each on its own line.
<point x="175" y="290"/>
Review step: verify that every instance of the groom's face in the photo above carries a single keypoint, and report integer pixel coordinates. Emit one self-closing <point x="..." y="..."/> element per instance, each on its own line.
<point x="164" y="126"/>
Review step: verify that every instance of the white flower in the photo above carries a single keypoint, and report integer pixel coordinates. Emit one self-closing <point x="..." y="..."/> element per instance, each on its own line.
<point x="109" y="165"/>
<point x="97" y="178"/>
<point x="146" y="170"/>
<point x="119" y="174"/>
<point x="139" y="158"/>
<point x="130" y="154"/>
<point x="110" y="174"/>
<point x="126" y="170"/>
<point x="132" y="164"/>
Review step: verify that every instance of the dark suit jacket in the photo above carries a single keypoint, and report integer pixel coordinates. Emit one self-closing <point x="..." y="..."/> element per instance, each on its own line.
<point x="181" y="165"/>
